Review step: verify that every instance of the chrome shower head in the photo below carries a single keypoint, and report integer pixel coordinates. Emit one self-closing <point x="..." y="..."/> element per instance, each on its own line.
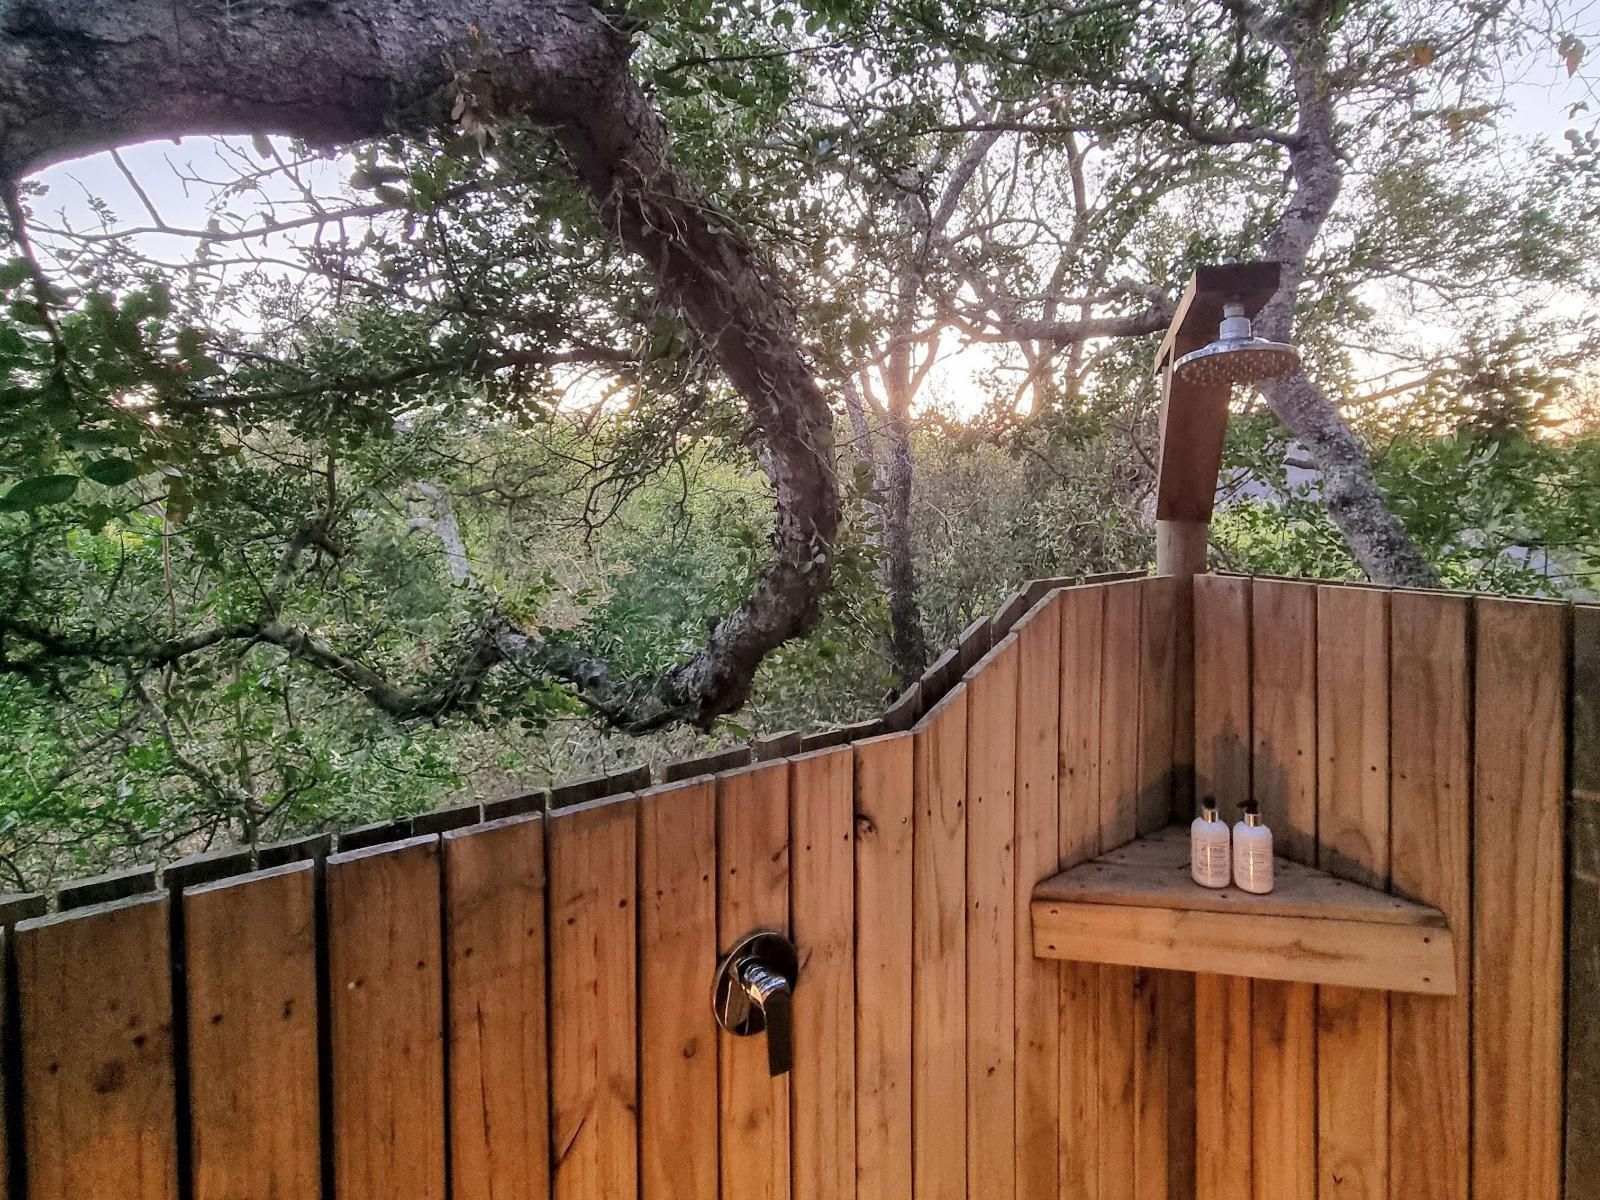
<point x="1237" y="356"/>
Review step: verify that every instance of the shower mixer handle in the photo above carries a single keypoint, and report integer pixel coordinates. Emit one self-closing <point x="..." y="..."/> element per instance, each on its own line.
<point x="754" y="993"/>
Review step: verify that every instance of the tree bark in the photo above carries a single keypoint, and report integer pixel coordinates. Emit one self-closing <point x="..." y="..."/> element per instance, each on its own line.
<point x="908" y="646"/>
<point x="82" y="75"/>
<point x="1355" y="502"/>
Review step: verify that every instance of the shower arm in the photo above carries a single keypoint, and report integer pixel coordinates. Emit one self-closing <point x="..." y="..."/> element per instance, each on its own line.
<point x="1194" y="416"/>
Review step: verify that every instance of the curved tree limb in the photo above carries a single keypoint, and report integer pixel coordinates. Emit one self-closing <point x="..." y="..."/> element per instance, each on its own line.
<point x="81" y="75"/>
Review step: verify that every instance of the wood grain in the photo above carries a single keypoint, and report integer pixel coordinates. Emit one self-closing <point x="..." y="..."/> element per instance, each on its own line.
<point x="1153" y="1046"/>
<point x="885" y="939"/>
<point x="939" y="952"/>
<point x="1353" y="954"/>
<point x="387" y="1018"/>
<point x="1283" y="780"/>
<point x="592" y="864"/>
<point x="1222" y="742"/>
<point x="495" y="938"/>
<point x="1119" y="823"/>
<point x="250" y="959"/>
<point x="1082" y="619"/>
<point x="752" y="894"/>
<point x="822" y="893"/>
<point x="1518" y="898"/>
<point x="1353" y="733"/>
<point x="1119" y="713"/>
<point x="95" y="1020"/>
<point x="678" y="1035"/>
<point x="1038" y="981"/>
<point x="1582" y="1166"/>
<point x="1158" y="680"/>
<point x="1430" y="851"/>
<point x="1223" y="1087"/>
<point x="1283" y="699"/>
<point x="1118" y="1083"/>
<point x="991" y="924"/>
<point x="1283" y="1056"/>
<point x="1353" y="843"/>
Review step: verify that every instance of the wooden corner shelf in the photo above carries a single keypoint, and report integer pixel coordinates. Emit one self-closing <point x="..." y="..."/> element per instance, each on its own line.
<point x="1137" y="906"/>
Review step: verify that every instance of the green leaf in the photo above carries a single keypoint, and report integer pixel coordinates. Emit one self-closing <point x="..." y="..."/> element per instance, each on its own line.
<point x="84" y="439"/>
<point x="113" y="472"/>
<point x="38" y="492"/>
<point x="190" y="341"/>
<point x="14" y="272"/>
<point x="262" y="145"/>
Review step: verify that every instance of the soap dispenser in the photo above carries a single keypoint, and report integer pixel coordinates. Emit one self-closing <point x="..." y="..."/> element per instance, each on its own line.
<point x="1252" y="852"/>
<point x="1208" y="847"/>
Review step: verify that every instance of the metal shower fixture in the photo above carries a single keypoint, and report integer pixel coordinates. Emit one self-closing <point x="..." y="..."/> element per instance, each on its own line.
<point x="1237" y="356"/>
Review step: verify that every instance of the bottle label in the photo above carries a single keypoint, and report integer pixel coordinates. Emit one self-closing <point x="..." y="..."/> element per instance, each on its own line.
<point x="1252" y="868"/>
<point x="1208" y="862"/>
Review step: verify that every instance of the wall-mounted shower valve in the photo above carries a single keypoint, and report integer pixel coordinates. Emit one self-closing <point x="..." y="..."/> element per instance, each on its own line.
<point x="754" y="993"/>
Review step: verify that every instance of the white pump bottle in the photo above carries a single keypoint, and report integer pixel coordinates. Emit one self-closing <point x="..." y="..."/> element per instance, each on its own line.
<point x="1208" y="847"/>
<point x="1252" y="852"/>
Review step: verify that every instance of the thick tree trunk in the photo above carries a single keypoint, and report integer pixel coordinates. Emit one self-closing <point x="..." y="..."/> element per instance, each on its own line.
<point x="1354" y="500"/>
<point x="80" y="75"/>
<point x="908" y="646"/>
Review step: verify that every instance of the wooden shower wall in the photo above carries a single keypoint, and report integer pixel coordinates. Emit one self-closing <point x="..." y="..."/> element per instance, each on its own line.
<point x="521" y="1009"/>
<point x="1415" y="742"/>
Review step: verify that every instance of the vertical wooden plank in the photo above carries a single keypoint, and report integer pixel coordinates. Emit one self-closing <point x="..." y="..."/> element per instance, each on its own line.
<point x="1118" y="989"/>
<point x="1158" y="663"/>
<point x="1079" y="1105"/>
<point x="1165" y="1043"/>
<point x="939" y="952"/>
<point x="1430" y="852"/>
<point x="678" y="1035"/>
<point x="251" y="951"/>
<point x="1082" y="634"/>
<point x="592" y="864"/>
<point x="95" y="1017"/>
<point x="495" y="938"/>
<point x="1283" y="780"/>
<point x="1117" y="992"/>
<point x="1283" y="1118"/>
<point x="386" y="1013"/>
<point x="1082" y="627"/>
<point x="752" y="894"/>
<point x="1353" y="842"/>
<point x="1176" y="1000"/>
<point x="1519" y="753"/>
<point x="1223" y="1078"/>
<point x="1152" y="1103"/>
<point x="1223" y="1087"/>
<point x="1038" y="821"/>
<point x="1353" y="734"/>
<point x="991" y="924"/>
<point x="1222" y="738"/>
<point x="885" y="939"/>
<point x="1283" y="692"/>
<point x="1582" y="1167"/>
<point x="823" y="1085"/>
<point x="1119" y="709"/>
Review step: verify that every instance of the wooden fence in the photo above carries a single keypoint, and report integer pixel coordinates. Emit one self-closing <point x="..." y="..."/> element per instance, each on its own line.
<point x="521" y="1009"/>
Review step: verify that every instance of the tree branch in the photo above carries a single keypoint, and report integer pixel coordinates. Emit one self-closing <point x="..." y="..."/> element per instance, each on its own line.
<point x="82" y="75"/>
